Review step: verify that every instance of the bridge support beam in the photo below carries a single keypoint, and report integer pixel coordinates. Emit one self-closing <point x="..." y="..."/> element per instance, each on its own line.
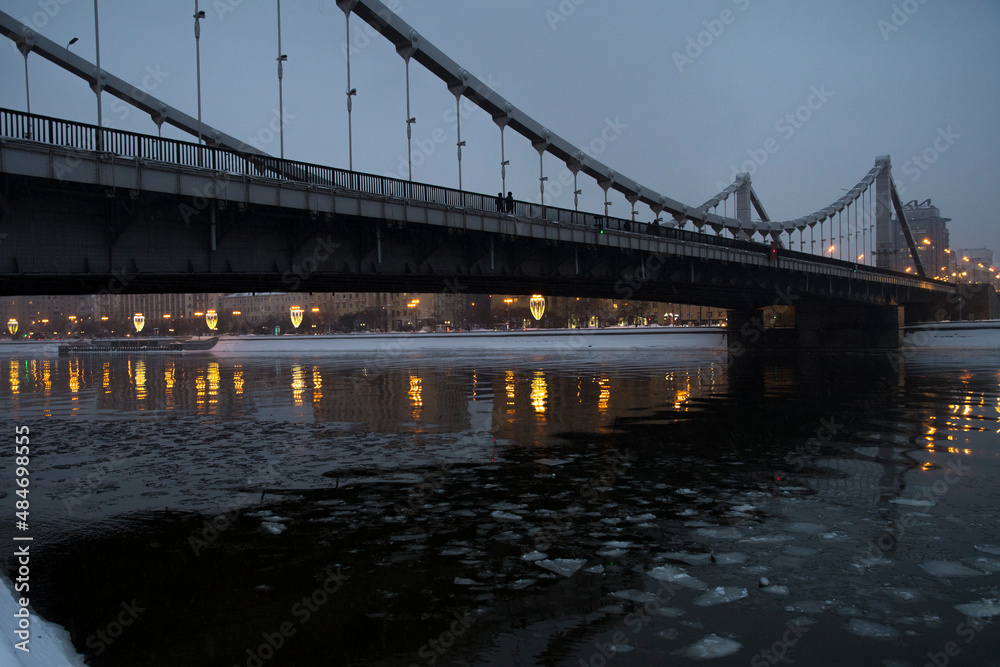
<point x="829" y="326"/>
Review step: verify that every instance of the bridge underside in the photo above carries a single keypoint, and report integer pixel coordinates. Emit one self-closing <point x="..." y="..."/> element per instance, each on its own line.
<point x="66" y="237"/>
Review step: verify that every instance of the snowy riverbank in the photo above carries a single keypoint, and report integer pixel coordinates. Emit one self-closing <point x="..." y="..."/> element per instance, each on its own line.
<point x="49" y="644"/>
<point x="984" y="334"/>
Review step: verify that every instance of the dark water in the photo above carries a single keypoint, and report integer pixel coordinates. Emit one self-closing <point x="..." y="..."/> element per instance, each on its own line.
<point x="327" y="511"/>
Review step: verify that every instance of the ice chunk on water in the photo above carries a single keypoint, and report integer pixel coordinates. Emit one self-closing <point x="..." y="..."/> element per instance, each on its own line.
<point x="744" y="508"/>
<point x="669" y="635"/>
<point x="640" y="517"/>
<point x="711" y="646"/>
<point x="864" y="628"/>
<point x="686" y="492"/>
<point x="634" y="595"/>
<point x="522" y="583"/>
<point x="728" y="533"/>
<point x="689" y="558"/>
<point x="912" y="502"/>
<point x="676" y="575"/>
<point x="721" y="595"/>
<point x="459" y="551"/>
<point x="597" y="569"/>
<point x="767" y="539"/>
<point x="618" y="545"/>
<point x="564" y="566"/>
<point x="944" y="568"/>
<point x="611" y="553"/>
<point x="729" y="558"/>
<point x="534" y="555"/>
<point x="988" y="565"/>
<point x="462" y="581"/>
<point x="982" y="609"/>
<point x="506" y="516"/>
<point x="988" y="548"/>
<point x="670" y="612"/>
<point x="620" y="648"/>
<point x="776" y="590"/>
<point x="273" y="528"/>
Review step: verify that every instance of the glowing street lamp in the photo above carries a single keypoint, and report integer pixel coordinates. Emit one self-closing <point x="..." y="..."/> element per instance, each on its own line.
<point x="296" y="313"/>
<point x="139" y="321"/>
<point x="537" y="306"/>
<point x="12" y="326"/>
<point x="212" y="319"/>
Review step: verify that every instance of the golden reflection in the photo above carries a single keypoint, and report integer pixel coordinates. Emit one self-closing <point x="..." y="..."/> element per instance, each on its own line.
<point x="170" y="377"/>
<point x="74" y="377"/>
<point x="140" y="380"/>
<point x="213" y="382"/>
<point x="199" y="387"/>
<point x="508" y="382"/>
<point x="926" y="466"/>
<point x="602" y="401"/>
<point x="416" y="392"/>
<point x="238" y="379"/>
<point x="106" y="379"/>
<point x="539" y="392"/>
<point x="46" y="378"/>
<point x="317" y="385"/>
<point x="15" y="380"/>
<point x="298" y="383"/>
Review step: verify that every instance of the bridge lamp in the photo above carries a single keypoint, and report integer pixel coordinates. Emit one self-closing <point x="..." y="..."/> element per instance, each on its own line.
<point x="831" y="249"/>
<point x="72" y="42"/>
<point x="296" y="313"/>
<point x="281" y="104"/>
<point x="537" y="306"/>
<point x="198" y="15"/>
<point x="138" y="321"/>
<point x="12" y="326"/>
<point x="212" y="319"/>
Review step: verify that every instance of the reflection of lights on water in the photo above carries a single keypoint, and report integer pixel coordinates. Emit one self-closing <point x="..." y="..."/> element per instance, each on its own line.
<point x="15" y="380"/>
<point x="74" y="377"/>
<point x="416" y="392"/>
<point x="106" y="379"/>
<point x="605" y="385"/>
<point x="317" y="385"/>
<point x="926" y="466"/>
<point x="140" y="380"/>
<point x="509" y="386"/>
<point x="213" y="381"/>
<point x="298" y="383"/>
<point x="238" y="379"/>
<point x="539" y="392"/>
<point x="46" y="378"/>
<point x="680" y="398"/>
<point x="169" y="377"/>
<point x="199" y="387"/>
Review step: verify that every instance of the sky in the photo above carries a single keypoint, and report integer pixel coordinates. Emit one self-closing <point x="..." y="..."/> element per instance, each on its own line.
<point x="679" y="96"/>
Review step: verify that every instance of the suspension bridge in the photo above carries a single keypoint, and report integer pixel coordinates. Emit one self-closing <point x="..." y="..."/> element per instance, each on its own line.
<point x="85" y="209"/>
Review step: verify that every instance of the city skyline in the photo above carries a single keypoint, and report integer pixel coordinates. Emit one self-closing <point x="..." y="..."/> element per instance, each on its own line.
<point x="725" y="104"/>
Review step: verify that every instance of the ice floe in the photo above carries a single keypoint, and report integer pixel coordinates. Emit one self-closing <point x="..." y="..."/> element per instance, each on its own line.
<point x="689" y="558"/>
<point x="777" y="589"/>
<point x="634" y="595"/>
<point x="720" y="595"/>
<point x="564" y="566"/>
<point x="982" y="609"/>
<point x="506" y="516"/>
<point x="912" y="502"/>
<point x="534" y="555"/>
<point x="988" y="548"/>
<point x="727" y="533"/>
<point x="729" y="558"/>
<point x="944" y="568"/>
<point x="711" y="646"/>
<point x="864" y="628"/>
<point x="677" y="576"/>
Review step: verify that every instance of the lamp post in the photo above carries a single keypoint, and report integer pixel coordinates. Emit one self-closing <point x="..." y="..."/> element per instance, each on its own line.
<point x="281" y="104"/>
<point x="24" y="45"/>
<point x="98" y="85"/>
<point x="198" y="15"/>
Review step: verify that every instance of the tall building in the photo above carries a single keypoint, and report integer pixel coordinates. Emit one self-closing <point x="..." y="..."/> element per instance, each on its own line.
<point x="974" y="265"/>
<point x="930" y="234"/>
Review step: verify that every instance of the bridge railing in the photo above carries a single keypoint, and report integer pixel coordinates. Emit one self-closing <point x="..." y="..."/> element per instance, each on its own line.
<point x="54" y="131"/>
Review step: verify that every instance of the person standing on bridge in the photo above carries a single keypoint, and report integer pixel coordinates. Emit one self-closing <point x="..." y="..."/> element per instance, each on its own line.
<point x="510" y="202"/>
<point x="500" y="206"/>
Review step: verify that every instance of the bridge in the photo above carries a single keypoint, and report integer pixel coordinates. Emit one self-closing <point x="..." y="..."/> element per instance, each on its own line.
<point x="87" y="209"/>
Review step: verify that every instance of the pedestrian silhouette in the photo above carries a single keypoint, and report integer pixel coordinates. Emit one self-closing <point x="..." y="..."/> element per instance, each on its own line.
<point x="500" y="202"/>
<point x="510" y="202"/>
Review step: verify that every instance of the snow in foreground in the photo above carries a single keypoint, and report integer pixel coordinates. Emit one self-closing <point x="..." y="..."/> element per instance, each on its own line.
<point x="49" y="644"/>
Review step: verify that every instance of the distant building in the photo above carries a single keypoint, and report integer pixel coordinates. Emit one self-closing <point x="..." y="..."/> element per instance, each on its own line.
<point x="930" y="234"/>
<point x="974" y="265"/>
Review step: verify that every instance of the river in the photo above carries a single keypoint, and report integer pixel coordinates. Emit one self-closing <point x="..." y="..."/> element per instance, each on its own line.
<point x="514" y="508"/>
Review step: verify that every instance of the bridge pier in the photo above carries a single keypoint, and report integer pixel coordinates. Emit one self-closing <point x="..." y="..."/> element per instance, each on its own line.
<point x="819" y="325"/>
<point x="828" y="326"/>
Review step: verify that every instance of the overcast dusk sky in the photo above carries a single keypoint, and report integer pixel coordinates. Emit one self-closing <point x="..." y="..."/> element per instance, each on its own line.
<point x="679" y="96"/>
